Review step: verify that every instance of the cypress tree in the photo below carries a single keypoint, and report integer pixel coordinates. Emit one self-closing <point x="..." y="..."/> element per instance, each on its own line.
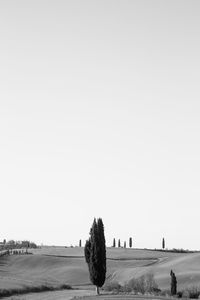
<point x="87" y="251"/>
<point x="125" y="244"/>
<point x="102" y="260"/>
<point x="114" y="243"/>
<point x="80" y="244"/>
<point x="163" y="243"/>
<point x="119" y="243"/>
<point x="173" y="283"/>
<point x="130" y="242"/>
<point x="95" y="254"/>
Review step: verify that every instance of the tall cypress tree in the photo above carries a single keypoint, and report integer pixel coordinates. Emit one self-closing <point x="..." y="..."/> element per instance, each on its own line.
<point x="95" y="254"/>
<point x="173" y="283"/>
<point x="80" y="244"/>
<point x="114" y="243"/>
<point x="130" y="242"/>
<point x="119" y="243"/>
<point x="124" y="244"/>
<point x="102" y="257"/>
<point x="163" y="243"/>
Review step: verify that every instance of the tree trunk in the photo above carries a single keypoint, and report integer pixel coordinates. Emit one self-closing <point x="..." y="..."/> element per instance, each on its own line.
<point x="97" y="290"/>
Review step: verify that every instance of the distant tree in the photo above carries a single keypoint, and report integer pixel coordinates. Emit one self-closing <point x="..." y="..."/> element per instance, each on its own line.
<point x="95" y="254"/>
<point x="173" y="283"/>
<point x="114" y="243"/>
<point x="125" y="244"/>
<point x="130" y="242"/>
<point x="32" y="245"/>
<point x="25" y="244"/>
<point x="4" y="241"/>
<point x="163" y="243"/>
<point x="119" y="243"/>
<point x="80" y="244"/>
<point x="20" y="244"/>
<point x="11" y="242"/>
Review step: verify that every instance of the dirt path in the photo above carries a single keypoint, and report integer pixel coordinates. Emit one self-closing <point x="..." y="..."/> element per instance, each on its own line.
<point x="58" y="295"/>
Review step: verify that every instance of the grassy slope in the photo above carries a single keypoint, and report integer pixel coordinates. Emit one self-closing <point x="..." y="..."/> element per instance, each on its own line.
<point x="67" y="265"/>
<point x="185" y="266"/>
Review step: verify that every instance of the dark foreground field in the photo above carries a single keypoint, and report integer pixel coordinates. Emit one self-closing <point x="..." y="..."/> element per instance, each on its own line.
<point x="55" y="266"/>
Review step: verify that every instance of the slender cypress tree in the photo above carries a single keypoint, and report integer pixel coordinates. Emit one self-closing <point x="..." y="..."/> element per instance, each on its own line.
<point x="130" y="242"/>
<point x="95" y="254"/>
<point x="114" y="243"/>
<point x="125" y="244"/>
<point x="80" y="244"/>
<point x="173" y="283"/>
<point x="119" y="243"/>
<point x="102" y="256"/>
<point x="163" y="243"/>
<point x="87" y="251"/>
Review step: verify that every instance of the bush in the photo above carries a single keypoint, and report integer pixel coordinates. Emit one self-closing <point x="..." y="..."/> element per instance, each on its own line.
<point x="185" y="294"/>
<point x="150" y="283"/>
<point x="179" y="294"/>
<point x="112" y="286"/>
<point x="194" y="292"/>
<point x="143" y="284"/>
<point x="191" y="292"/>
<point x="137" y="285"/>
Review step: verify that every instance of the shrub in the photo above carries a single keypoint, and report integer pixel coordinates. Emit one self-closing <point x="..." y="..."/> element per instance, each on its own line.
<point x="143" y="284"/>
<point x="126" y="288"/>
<point x="192" y="292"/>
<point x="185" y="294"/>
<point x="179" y="294"/>
<point x="112" y="286"/>
<point x="137" y="285"/>
<point x="150" y="283"/>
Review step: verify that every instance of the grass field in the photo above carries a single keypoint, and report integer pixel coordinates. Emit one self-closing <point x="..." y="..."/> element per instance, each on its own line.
<point x="59" y="265"/>
<point x="82" y="295"/>
<point x="58" y="295"/>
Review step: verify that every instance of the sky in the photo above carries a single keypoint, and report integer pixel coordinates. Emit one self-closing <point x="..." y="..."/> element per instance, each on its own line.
<point x="100" y="117"/>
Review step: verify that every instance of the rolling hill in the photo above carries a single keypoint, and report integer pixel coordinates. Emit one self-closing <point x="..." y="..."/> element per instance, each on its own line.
<point x="58" y="265"/>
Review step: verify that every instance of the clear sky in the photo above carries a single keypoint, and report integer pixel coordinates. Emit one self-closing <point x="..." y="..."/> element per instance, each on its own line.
<point x="100" y="117"/>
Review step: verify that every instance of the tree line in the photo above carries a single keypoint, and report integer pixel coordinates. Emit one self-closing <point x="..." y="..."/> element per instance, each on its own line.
<point x="11" y="244"/>
<point x="124" y="245"/>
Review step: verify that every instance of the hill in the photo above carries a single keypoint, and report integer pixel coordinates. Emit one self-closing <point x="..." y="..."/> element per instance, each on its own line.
<point x="59" y="265"/>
